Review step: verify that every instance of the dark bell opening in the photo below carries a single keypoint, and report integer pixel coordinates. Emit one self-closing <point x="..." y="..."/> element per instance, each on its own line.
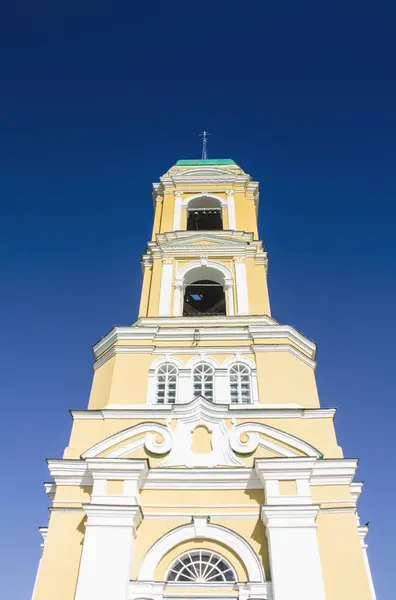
<point x="204" y="297"/>
<point x="208" y="219"/>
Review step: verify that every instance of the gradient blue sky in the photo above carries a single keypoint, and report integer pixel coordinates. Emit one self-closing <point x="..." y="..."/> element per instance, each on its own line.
<point x="97" y="100"/>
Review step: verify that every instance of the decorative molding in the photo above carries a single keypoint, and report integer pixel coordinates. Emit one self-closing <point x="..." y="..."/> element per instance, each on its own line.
<point x="149" y="441"/>
<point x="254" y="433"/>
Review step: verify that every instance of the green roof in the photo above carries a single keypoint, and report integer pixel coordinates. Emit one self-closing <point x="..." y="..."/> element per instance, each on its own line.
<point x="205" y="161"/>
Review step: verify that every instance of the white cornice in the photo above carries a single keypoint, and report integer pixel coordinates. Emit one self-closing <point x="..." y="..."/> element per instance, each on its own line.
<point x="356" y="488"/>
<point x="157" y="411"/>
<point x="175" y="329"/>
<point x="324" y="472"/>
<point x="163" y="350"/>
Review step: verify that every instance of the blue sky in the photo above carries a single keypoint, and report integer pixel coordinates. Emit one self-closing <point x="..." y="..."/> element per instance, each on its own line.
<point x="97" y="100"/>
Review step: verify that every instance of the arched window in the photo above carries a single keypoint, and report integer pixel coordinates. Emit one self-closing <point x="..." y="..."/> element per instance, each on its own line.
<point x="240" y="388"/>
<point x="204" y="297"/>
<point x="203" y="381"/>
<point x="166" y="384"/>
<point x="201" y="566"/>
<point x="204" y="214"/>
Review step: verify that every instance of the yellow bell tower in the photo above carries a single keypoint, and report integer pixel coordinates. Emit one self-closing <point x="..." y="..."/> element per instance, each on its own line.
<point x="204" y="466"/>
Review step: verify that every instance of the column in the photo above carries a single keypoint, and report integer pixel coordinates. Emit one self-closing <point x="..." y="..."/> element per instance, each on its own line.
<point x="241" y="286"/>
<point x="107" y="552"/>
<point x="177" y="298"/>
<point x="221" y="386"/>
<point x="231" y="210"/>
<point x="112" y="519"/>
<point x="362" y="530"/>
<point x="294" y="552"/>
<point x="166" y="287"/>
<point x="290" y="519"/>
<point x="230" y="297"/>
<point x="177" y="211"/>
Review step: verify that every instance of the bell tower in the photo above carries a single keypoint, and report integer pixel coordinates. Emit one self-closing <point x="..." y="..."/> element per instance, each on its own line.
<point x="204" y="465"/>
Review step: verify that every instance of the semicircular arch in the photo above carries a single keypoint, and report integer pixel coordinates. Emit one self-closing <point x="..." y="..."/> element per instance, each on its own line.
<point x="205" y="531"/>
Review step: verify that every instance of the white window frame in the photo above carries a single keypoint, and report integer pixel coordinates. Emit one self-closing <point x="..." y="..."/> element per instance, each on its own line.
<point x="239" y="401"/>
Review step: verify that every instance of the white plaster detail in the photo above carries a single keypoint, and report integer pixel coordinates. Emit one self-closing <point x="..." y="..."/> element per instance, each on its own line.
<point x="225" y="536"/>
<point x="199" y="413"/>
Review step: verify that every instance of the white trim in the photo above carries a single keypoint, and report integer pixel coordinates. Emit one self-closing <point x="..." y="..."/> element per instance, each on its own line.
<point x="160" y="411"/>
<point x="154" y="590"/>
<point x="201" y="528"/>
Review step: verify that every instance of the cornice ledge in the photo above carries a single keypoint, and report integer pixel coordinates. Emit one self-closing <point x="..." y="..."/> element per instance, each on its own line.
<point x="256" y="411"/>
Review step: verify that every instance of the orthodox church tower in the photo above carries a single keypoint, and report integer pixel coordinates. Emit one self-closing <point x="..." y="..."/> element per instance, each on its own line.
<point x="204" y="467"/>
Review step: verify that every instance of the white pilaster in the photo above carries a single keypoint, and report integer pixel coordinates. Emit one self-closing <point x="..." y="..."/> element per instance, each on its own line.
<point x="221" y="385"/>
<point x="110" y="529"/>
<point x="177" y="298"/>
<point x="291" y="529"/>
<point x="166" y="288"/>
<point x="177" y="211"/>
<point x="230" y="297"/>
<point x="294" y="552"/>
<point x="241" y="286"/>
<point x="231" y="210"/>
<point x="107" y="552"/>
<point x="362" y="535"/>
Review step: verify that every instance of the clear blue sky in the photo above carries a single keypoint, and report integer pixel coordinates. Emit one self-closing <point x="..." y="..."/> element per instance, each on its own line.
<point x="97" y="100"/>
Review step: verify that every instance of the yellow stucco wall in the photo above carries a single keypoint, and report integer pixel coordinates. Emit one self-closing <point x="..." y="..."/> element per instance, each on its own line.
<point x="60" y="562"/>
<point x="341" y="556"/>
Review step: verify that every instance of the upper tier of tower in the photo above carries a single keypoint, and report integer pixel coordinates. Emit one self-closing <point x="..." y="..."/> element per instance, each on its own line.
<point x="206" y="194"/>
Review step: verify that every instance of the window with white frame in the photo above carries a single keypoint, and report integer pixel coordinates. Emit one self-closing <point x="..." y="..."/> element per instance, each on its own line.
<point x="240" y="385"/>
<point x="201" y="566"/>
<point x="203" y="379"/>
<point x="166" y="384"/>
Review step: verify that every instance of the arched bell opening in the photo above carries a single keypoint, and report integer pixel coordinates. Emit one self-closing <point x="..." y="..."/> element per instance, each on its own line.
<point x="204" y="297"/>
<point x="204" y="214"/>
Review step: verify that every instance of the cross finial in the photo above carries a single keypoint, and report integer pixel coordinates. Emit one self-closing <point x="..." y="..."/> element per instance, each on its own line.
<point x="204" y="135"/>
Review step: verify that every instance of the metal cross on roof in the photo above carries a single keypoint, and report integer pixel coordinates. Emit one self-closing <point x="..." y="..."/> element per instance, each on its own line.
<point x="204" y="135"/>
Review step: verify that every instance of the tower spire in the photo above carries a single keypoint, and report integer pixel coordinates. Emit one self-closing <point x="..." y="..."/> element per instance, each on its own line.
<point x="204" y="135"/>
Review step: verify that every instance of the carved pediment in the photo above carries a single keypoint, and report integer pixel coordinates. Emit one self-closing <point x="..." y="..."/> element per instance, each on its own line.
<point x="201" y="434"/>
<point x="202" y="240"/>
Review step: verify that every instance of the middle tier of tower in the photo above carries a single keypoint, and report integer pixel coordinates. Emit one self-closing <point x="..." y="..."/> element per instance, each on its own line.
<point x="192" y="274"/>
